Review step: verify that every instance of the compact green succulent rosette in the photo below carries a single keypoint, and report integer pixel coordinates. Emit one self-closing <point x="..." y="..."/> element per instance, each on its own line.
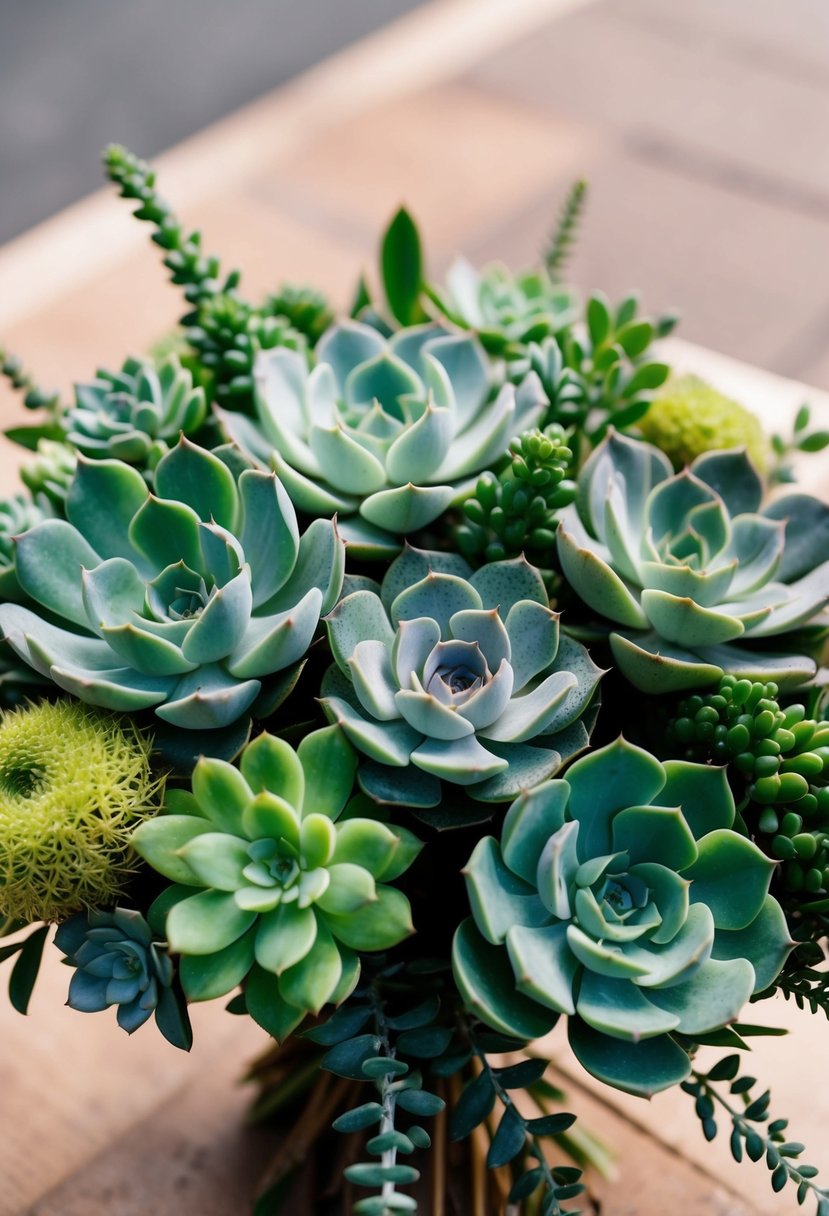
<point x="17" y="515"/>
<point x="622" y="898"/>
<point x="386" y="433"/>
<point x="137" y="413"/>
<point x="184" y="600"/>
<point x="280" y="882"/>
<point x="690" y="569"/>
<point x="506" y="310"/>
<point x="442" y="675"/>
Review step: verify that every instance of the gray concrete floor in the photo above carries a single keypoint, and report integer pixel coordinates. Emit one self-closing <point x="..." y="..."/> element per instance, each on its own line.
<point x="78" y="74"/>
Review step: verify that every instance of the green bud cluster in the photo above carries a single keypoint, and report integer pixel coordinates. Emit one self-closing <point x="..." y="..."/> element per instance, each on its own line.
<point x="227" y="336"/>
<point x="782" y="757"/>
<point x="305" y="308"/>
<point x="514" y="511"/>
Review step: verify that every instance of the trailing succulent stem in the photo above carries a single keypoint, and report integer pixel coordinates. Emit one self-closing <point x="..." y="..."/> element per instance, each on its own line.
<point x="22" y="381"/>
<point x="752" y="1135"/>
<point x="201" y="276"/>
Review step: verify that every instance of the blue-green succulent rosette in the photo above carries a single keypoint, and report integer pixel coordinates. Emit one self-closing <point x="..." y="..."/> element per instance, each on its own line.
<point x="186" y="600"/>
<point x="384" y="433"/>
<point x="135" y="414"/>
<point x="695" y="577"/>
<point x="118" y="962"/>
<point x="622" y="897"/>
<point x="443" y="676"/>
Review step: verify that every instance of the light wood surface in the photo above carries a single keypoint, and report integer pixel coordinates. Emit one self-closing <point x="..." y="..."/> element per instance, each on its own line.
<point x="297" y="187"/>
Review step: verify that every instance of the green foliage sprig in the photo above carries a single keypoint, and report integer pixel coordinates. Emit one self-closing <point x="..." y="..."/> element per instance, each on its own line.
<point x="563" y="237"/>
<point x="800" y="440"/>
<point x="604" y="375"/>
<point x="24" y="973"/>
<point x="515" y="510"/>
<point x="752" y="1135"/>
<point x="517" y="1138"/>
<point x="378" y="1056"/>
<point x="806" y="986"/>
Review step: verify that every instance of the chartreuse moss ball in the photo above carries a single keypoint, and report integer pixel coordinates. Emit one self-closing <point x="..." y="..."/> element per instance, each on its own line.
<point x="689" y="417"/>
<point x="74" y="783"/>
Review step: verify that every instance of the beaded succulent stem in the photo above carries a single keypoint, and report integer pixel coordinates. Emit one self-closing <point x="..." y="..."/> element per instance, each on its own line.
<point x="21" y="380"/>
<point x="199" y="275"/>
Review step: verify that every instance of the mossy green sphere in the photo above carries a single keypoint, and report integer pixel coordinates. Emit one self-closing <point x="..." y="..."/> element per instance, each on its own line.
<point x="74" y="783"/>
<point x="689" y="417"/>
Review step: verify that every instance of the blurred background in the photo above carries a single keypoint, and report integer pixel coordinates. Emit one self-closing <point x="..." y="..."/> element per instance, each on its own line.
<point x="703" y="129"/>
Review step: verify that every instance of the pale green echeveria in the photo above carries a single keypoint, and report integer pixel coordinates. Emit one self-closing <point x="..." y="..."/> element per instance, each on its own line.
<point x="622" y="898"/>
<point x="507" y="311"/>
<point x="185" y="600"/>
<point x="135" y="414"/>
<point x="695" y="577"/>
<point x="280" y="882"/>
<point x="386" y="433"/>
<point x="443" y="675"/>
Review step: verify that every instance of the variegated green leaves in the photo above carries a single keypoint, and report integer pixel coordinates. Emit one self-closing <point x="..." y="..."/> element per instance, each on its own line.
<point x="184" y="600"/>
<point x="687" y="569"/>
<point x="384" y="433"/>
<point x="445" y="675"/>
<point x="621" y="897"/>
<point x="280" y="881"/>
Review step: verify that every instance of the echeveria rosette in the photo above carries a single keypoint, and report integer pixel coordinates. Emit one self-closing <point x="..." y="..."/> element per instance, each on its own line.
<point x="689" y="570"/>
<point x="119" y="963"/>
<point x="386" y="433"/>
<point x="622" y="898"/>
<point x="507" y="311"/>
<point x="280" y="881"/>
<point x="137" y="413"/>
<point x="443" y="675"/>
<point x="17" y="515"/>
<point x="185" y="600"/>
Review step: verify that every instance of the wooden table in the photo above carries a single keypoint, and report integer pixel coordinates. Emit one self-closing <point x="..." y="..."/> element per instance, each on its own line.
<point x="296" y="188"/>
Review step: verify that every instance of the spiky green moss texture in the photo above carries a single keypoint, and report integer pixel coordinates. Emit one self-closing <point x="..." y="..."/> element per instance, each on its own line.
<point x="689" y="417"/>
<point x="73" y="786"/>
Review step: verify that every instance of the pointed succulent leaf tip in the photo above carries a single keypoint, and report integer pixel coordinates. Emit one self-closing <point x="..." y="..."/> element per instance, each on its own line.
<point x="685" y="564"/>
<point x="621" y="897"/>
<point x="271" y="880"/>
<point x="388" y="429"/>
<point x="185" y="599"/>
<point x="465" y="679"/>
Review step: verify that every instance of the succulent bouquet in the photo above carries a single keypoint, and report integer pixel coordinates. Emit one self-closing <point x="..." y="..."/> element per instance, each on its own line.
<point x="417" y="679"/>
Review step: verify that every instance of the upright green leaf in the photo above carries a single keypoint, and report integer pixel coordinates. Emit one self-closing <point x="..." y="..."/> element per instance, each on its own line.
<point x="401" y="263"/>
